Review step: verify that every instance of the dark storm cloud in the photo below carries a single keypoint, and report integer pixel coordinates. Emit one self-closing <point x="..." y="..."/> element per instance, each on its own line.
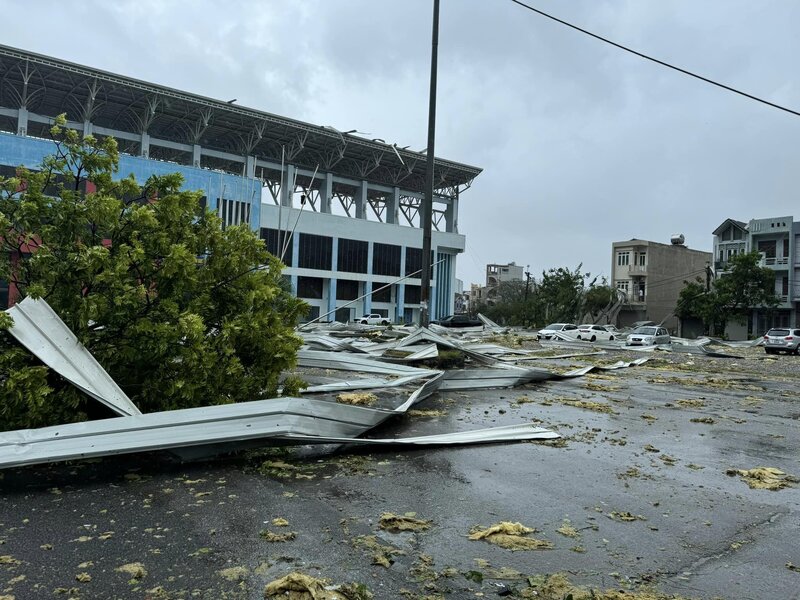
<point x="581" y="144"/>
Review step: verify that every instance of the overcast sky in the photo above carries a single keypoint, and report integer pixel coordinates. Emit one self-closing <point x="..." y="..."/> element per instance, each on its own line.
<point x="581" y="143"/>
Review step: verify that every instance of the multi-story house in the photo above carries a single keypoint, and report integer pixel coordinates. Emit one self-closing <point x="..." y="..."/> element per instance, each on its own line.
<point x="651" y="276"/>
<point x="497" y="274"/>
<point x="777" y="239"/>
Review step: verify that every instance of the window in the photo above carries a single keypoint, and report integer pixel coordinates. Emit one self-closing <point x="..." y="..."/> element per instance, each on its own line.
<point x="309" y="287"/>
<point x="233" y="212"/>
<point x="385" y="259"/>
<point x="786" y="247"/>
<point x="352" y="256"/>
<point x="382" y="295"/>
<point x="623" y="285"/>
<point x="274" y="241"/>
<point x="413" y="261"/>
<point x="315" y="252"/>
<point x="413" y="294"/>
<point x="768" y="248"/>
<point x="346" y="289"/>
<point x="3" y="294"/>
<point x="623" y="258"/>
<point x="784" y="286"/>
<point x="641" y="260"/>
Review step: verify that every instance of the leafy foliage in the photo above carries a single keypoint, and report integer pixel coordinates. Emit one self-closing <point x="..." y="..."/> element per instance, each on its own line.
<point x="560" y="295"/>
<point x="744" y="287"/>
<point x="180" y="311"/>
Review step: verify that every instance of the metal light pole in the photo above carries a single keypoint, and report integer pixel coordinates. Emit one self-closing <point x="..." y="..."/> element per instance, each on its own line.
<point x="427" y="202"/>
<point x="527" y="286"/>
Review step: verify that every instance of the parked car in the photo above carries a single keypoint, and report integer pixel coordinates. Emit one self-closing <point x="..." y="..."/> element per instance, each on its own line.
<point x="548" y="332"/>
<point x="648" y="336"/>
<point x="373" y="319"/>
<point x="782" y="340"/>
<point x="458" y="321"/>
<point x="594" y="332"/>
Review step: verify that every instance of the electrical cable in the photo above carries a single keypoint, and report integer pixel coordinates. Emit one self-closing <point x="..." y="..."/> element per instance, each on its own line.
<point x="655" y="60"/>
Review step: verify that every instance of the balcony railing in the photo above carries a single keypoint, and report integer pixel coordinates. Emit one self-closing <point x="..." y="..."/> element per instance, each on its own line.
<point x="640" y="269"/>
<point x="775" y="261"/>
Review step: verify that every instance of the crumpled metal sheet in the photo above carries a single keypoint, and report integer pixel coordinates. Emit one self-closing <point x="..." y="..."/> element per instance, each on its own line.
<point x="355" y="362"/>
<point x="506" y="433"/>
<point x="44" y="334"/>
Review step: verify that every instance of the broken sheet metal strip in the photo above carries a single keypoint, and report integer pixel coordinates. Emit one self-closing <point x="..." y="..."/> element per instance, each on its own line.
<point x="507" y="433"/>
<point x="46" y="336"/>
<point x="355" y="362"/>
<point x="278" y="419"/>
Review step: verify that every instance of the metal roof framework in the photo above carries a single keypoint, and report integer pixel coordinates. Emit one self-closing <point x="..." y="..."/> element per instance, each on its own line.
<point x="48" y="86"/>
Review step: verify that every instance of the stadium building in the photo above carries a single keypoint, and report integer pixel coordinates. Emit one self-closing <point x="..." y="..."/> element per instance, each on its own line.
<point x="353" y="204"/>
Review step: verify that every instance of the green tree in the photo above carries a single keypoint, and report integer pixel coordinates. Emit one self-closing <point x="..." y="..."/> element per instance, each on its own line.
<point x="561" y="294"/>
<point x="597" y="298"/>
<point x="744" y="287"/>
<point x="512" y="304"/>
<point x="180" y="311"/>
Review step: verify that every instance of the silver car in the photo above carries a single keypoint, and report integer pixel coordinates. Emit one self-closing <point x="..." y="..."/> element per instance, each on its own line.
<point x="648" y="336"/>
<point x="782" y="340"/>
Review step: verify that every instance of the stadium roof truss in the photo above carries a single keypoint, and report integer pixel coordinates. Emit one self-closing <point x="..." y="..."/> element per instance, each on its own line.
<point x="128" y="108"/>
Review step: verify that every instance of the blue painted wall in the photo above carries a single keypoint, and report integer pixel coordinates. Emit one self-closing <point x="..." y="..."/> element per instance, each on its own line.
<point x="28" y="152"/>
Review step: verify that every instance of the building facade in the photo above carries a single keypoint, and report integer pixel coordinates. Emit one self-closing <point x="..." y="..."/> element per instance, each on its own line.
<point x="341" y="210"/>
<point x="777" y="239"/>
<point x="651" y="275"/>
<point x="497" y="274"/>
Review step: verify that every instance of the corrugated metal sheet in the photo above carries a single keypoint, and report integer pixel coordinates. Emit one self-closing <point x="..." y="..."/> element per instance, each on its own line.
<point x="40" y="330"/>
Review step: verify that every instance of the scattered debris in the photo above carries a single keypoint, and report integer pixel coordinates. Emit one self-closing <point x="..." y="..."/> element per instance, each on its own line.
<point x="624" y="516"/>
<point x="510" y="536"/>
<point x="280" y="522"/>
<point x="298" y="586"/>
<point x="381" y="555"/>
<point x="697" y="403"/>
<point x="357" y="398"/>
<point x="706" y="420"/>
<point x="651" y="448"/>
<point x="587" y="404"/>
<point x="764" y="478"/>
<point x="568" y="530"/>
<point x="407" y="522"/>
<point x="234" y="573"/>
<point x="134" y="570"/>
<point x="83" y="577"/>
<point x="558" y="587"/>
<point x="426" y="412"/>
<point x="269" y="536"/>
<point x="792" y="567"/>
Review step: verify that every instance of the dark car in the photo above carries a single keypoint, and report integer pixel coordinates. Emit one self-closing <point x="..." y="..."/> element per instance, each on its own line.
<point x="458" y="321"/>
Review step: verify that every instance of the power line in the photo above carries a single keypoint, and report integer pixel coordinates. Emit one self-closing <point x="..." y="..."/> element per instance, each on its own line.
<point x="655" y="60"/>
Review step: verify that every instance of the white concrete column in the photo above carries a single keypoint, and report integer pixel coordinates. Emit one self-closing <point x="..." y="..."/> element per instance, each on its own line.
<point x="326" y="193"/>
<point x="250" y="166"/>
<point x="361" y="201"/>
<point x="196" y="150"/>
<point x="22" y="121"/>
<point x="87" y="128"/>
<point x="393" y="206"/>
<point x="144" y="149"/>
<point x="287" y="189"/>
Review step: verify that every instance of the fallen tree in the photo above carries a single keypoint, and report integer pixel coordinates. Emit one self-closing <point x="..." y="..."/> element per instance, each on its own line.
<point x="179" y="311"/>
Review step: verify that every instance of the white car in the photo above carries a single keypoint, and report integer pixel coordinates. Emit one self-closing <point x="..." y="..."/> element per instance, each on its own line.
<point x="593" y="333"/>
<point x="548" y="332"/>
<point x="648" y="336"/>
<point x="373" y="319"/>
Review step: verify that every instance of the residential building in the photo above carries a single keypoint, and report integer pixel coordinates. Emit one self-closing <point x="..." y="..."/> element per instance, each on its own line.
<point x="651" y="275"/>
<point x="777" y="239"/>
<point x="497" y="274"/>
<point x="342" y="210"/>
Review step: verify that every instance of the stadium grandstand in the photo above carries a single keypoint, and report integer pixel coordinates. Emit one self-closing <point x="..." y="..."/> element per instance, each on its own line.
<point x="345" y="208"/>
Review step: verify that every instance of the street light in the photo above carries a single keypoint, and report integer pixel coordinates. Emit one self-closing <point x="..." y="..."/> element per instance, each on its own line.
<point x="427" y="202"/>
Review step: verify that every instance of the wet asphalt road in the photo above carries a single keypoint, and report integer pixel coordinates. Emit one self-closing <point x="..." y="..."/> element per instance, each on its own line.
<point x="65" y="530"/>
